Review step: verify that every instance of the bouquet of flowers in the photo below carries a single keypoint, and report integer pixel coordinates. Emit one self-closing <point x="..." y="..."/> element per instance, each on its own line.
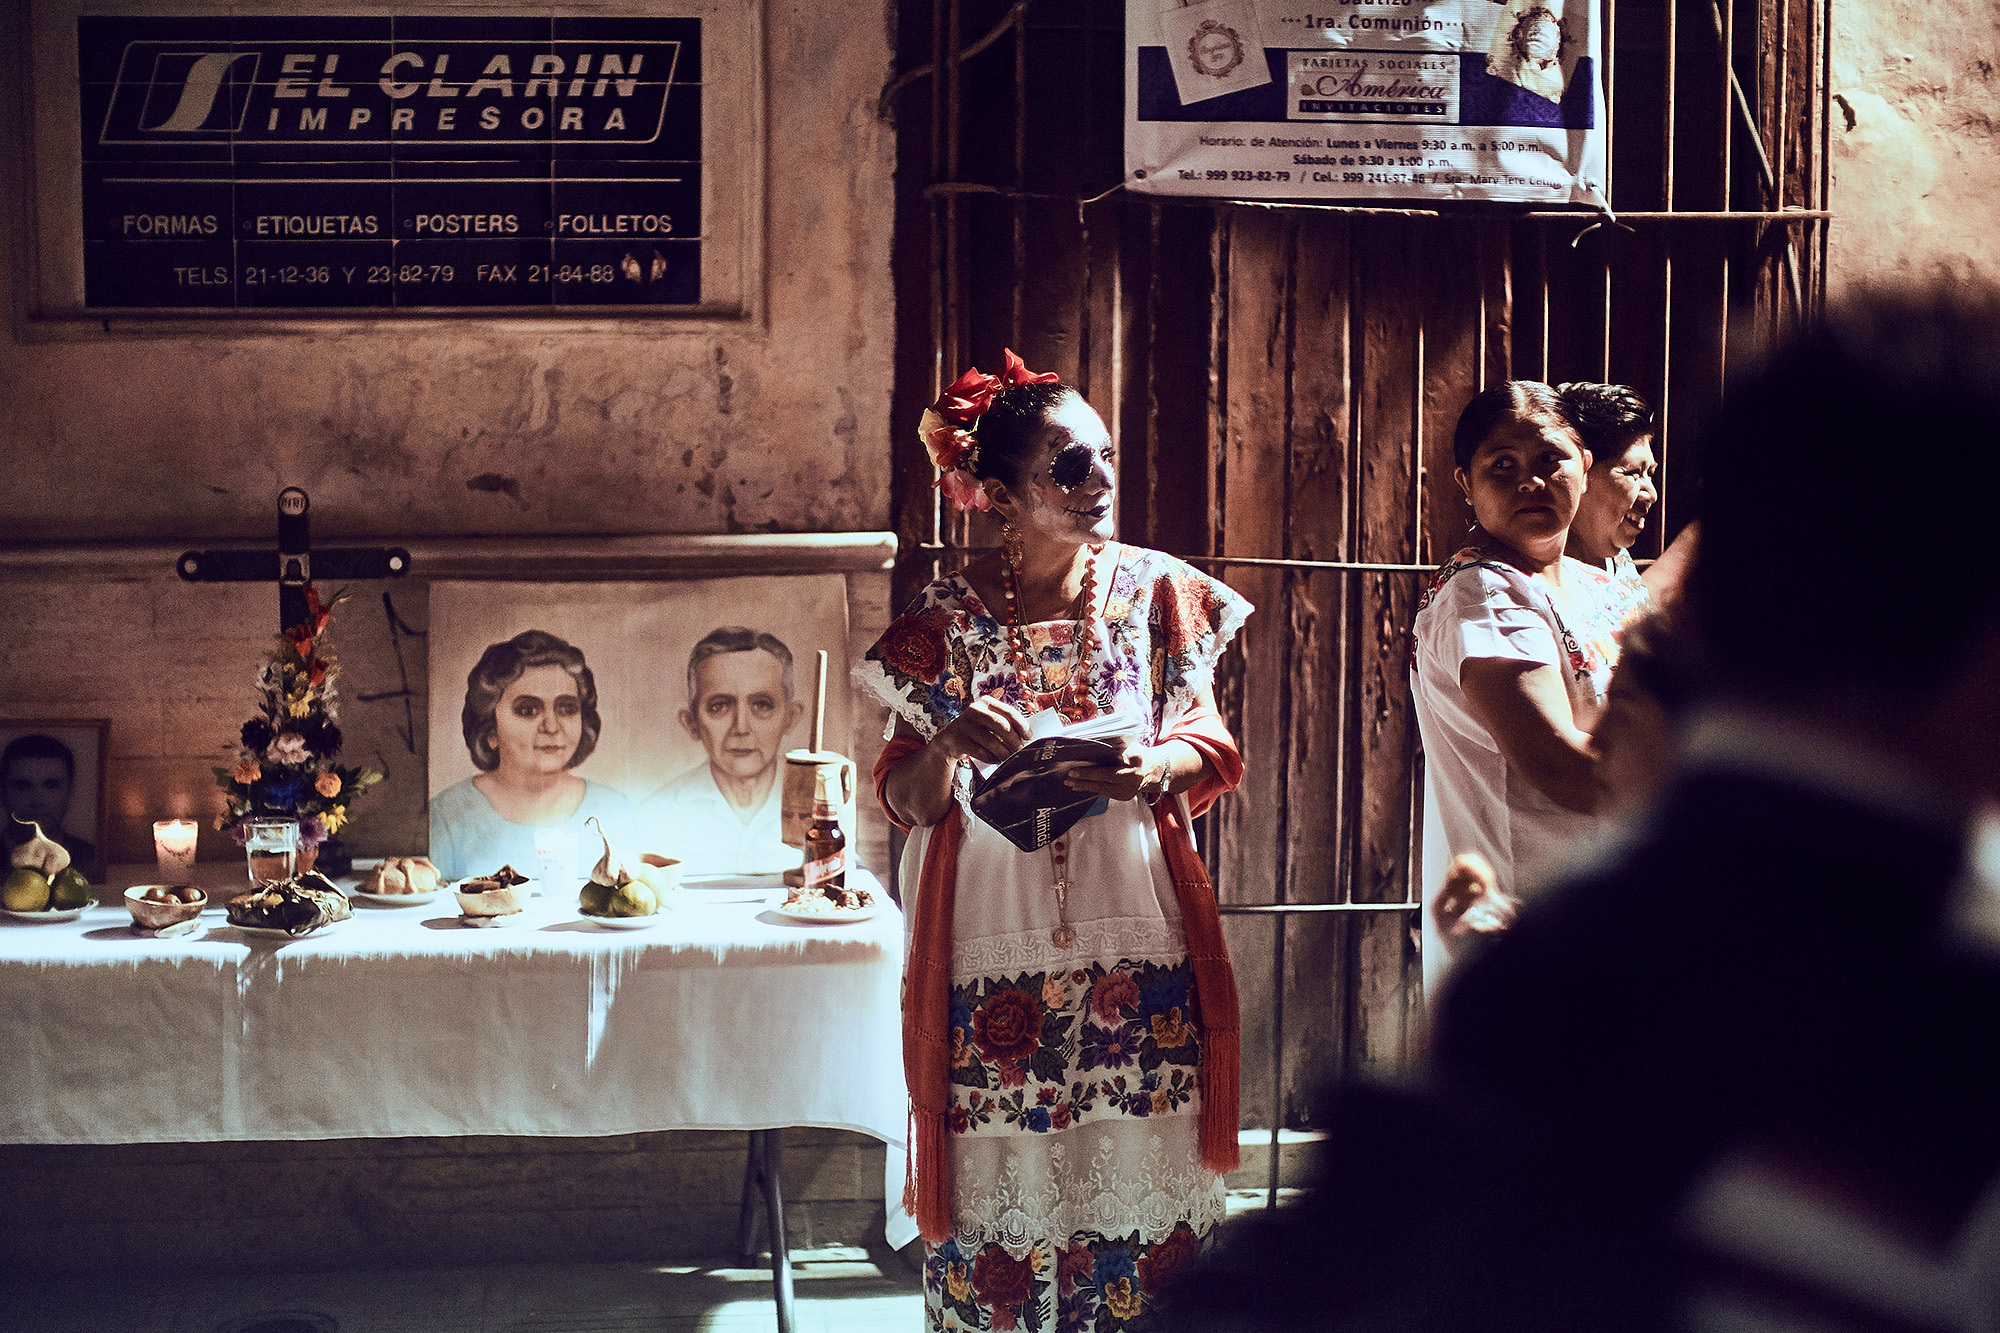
<point x="285" y="766"/>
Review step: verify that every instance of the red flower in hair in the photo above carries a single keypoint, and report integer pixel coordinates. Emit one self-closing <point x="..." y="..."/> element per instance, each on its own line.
<point x="968" y="397"/>
<point x="1015" y="372"/>
<point x="963" y="490"/>
<point x="949" y="427"/>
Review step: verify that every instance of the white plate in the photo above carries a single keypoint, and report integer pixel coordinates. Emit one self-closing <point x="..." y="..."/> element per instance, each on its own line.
<point x="490" y="922"/>
<point x="394" y="899"/>
<point x="623" y="922"/>
<point x="834" y="918"/>
<point x="272" y="932"/>
<point x="44" y="917"/>
<point x="179" y="928"/>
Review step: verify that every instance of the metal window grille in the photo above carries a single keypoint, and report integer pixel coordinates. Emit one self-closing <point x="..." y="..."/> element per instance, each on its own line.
<point x="1281" y="381"/>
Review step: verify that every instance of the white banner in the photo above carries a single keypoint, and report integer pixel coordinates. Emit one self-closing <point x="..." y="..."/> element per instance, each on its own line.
<point x="1395" y="99"/>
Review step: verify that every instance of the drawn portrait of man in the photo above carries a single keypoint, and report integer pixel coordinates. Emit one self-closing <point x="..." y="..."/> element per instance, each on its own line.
<point x="723" y="815"/>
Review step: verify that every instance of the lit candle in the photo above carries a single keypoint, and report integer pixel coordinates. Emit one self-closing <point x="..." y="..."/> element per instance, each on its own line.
<point x="173" y="846"/>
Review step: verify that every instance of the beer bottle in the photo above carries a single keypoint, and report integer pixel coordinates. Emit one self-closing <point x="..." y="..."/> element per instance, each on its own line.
<point x="826" y="845"/>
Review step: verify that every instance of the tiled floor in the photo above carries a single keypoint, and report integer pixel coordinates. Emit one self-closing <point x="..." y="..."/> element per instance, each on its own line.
<point x="838" y="1291"/>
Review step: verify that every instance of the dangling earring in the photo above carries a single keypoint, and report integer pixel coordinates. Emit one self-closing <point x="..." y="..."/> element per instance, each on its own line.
<point x="1011" y="545"/>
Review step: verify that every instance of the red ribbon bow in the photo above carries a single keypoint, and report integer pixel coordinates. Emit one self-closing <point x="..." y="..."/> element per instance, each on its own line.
<point x="948" y="427"/>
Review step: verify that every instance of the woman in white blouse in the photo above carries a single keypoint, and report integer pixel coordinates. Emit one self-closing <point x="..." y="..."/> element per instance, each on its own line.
<point x="1512" y="650"/>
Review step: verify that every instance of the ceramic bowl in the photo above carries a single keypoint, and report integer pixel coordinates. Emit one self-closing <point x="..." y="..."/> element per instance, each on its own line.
<point x="157" y="915"/>
<point x="493" y="902"/>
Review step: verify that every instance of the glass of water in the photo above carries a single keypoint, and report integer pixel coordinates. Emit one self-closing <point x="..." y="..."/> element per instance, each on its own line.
<point x="272" y="846"/>
<point x="555" y="861"/>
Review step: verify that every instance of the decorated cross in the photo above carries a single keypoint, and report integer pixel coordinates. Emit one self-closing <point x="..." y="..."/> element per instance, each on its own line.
<point x="296" y="565"/>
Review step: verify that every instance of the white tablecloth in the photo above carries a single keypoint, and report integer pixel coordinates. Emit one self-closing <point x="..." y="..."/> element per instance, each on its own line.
<point x="402" y="1021"/>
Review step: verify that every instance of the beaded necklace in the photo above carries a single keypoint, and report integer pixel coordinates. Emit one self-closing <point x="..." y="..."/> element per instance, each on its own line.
<point x="1064" y="934"/>
<point x="1078" y="687"/>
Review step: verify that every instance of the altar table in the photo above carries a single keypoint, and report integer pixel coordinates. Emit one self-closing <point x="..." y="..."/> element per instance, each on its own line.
<point x="402" y="1022"/>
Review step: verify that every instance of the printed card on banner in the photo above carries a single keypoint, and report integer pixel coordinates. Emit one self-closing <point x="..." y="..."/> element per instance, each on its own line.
<point x="1215" y="47"/>
<point x="1395" y="99"/>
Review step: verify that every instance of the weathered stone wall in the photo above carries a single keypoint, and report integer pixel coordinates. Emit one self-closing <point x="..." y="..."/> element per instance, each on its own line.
<point x="269" y="1207"/>
<point x="431" y="428"/>
<point x="1916" y="142"/>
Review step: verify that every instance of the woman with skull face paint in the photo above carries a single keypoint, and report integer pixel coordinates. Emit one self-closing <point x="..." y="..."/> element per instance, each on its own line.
<point x="1511" y="654"/>
<point x="1070" y="1033"/>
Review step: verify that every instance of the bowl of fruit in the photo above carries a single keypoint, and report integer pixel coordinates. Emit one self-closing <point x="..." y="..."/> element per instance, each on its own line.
<point x="42" y="885"/>
<point x="161" y="907"/>
<point x="490" y="900"/>
<point x="622" y="895"/>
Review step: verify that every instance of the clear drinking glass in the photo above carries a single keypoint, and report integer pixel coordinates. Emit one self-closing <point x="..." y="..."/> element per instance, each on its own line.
<point x="272" y="846"/>
<point x="555" y="861"/>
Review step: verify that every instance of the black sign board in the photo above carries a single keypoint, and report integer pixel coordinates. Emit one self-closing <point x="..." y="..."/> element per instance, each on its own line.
<point x="366" y="163"/>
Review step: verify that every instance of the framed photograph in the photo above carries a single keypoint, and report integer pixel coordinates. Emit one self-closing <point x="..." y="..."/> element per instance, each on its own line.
<point x="53" y="773"/>
<point x="662" y="710"/>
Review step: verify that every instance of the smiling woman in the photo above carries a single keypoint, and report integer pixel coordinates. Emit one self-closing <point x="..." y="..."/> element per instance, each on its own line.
<point x="530" y="717"/>
<point x="1512" y="650"/>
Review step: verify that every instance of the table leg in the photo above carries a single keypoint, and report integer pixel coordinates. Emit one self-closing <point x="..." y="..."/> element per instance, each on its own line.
<point x="763" y="1173"/>
<point x="746" y="1218"/>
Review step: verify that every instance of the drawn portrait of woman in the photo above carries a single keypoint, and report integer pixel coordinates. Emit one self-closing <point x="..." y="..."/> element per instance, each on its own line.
<point x="530" y="719"/>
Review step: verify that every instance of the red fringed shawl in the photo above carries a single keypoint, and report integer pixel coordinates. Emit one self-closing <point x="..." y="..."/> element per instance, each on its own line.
<point x="927" y="973"/>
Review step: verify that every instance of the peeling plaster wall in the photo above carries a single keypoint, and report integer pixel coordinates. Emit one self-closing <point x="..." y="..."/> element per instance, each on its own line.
<point x="481" y="426"/>
<point x="1916" y="160"/>
<point x="776" y="422"/>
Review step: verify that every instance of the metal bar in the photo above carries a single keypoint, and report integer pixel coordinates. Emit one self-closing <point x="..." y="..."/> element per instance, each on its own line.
<point x="1277" y="1053"/>
<point x="1782" y="142"/>
<point x="1661" y="440"/>
<point x="746" y="1214"/>
<point x="1604" y="322"/>
<point x="772" y="1170"/>
<point x="1017" y="207"/>
<point x="1542" y="277"/>
<point x="1288" y="589"/>
<point x="1825" y="137"/>
<point x="953" y="348"/>
<point x="1710" y="215"/>
<point x="1479" y="331"/>
<point x="909" y="77"/>
<point x="941" y="188"/>
<point x="1783" y="137"/>
<point x="1610" y="66"/>
<point x="1305" y="909"/>
<point x="1667" y="111"/>
<point x="1416" y="495"/>
<point x="1351" y="566"/>
<point x="1731" y="92"/>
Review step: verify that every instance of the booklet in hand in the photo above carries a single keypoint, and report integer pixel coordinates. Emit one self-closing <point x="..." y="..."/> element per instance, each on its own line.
<point x="1025" y="797"/>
